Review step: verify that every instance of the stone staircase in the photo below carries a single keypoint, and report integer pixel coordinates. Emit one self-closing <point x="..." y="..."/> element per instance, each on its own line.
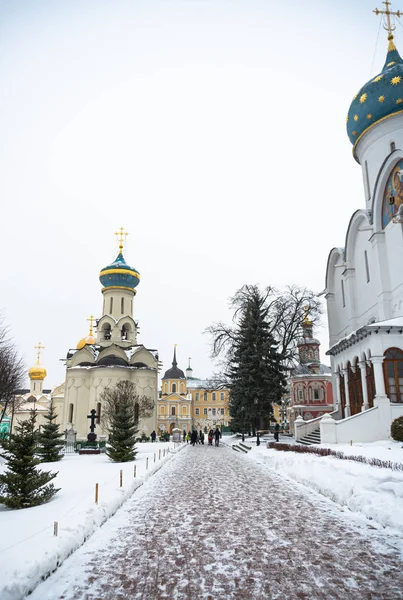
<point x="311" y="438"/>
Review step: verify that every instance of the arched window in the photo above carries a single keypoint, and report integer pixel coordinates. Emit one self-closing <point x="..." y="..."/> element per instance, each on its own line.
<point x="173" y="389"/>
<point x="71" y="413"/>
<point x="106" y="331"/>
<point x="98" y="413"/>
<point x="136" y="412"/>
<point x="111" y="306"/>
<point x="393" y="369"/>
<point x="122" y="306"/>
<point x="173" y="411"/>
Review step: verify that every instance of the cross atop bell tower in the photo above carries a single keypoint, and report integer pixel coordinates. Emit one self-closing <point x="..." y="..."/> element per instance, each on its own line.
<point x="121" y="235"/>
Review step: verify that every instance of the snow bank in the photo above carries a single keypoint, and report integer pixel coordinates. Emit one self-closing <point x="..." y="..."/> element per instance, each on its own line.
<point x="375" y="492"/>
<point x="29" y="551"/>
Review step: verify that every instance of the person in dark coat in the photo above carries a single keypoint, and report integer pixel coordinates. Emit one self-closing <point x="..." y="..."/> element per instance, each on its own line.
<point x="217" y="435"/>
<point x="276" y="432"/>
<point x="210" y="437"/>
<point x="153" y="436"/>
<point x="193" y="437"/>
<point x="201" y="437"/>
<point x="184" y="435"/>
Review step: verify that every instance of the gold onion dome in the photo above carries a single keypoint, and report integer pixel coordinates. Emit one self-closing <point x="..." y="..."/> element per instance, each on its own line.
<point x="89" y="339"/>
<point x="37" y="372"/>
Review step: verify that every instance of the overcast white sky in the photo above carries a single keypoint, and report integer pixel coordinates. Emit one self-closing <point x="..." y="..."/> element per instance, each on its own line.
<point x="213" y="131"/>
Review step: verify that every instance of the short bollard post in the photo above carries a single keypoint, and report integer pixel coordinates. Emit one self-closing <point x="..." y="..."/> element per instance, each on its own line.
<point x="147" y="463"/>
<point x="164" y="452"/>
<point x="155" y="456"/>
<point x="55" y="528"/>
<point x="96" y="493"/>
<point x="159" y="454"/>
<point x="134" y="471"/>
<point x="121" y="477"/>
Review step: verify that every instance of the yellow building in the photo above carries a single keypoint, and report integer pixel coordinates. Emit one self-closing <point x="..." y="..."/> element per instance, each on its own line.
<point x="187" y="403"/>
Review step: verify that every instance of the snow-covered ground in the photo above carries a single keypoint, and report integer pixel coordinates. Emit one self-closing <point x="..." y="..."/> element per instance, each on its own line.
<point x="215" y="524"/>
<point x="375" y="492"/>
<point x="29" y="550"/>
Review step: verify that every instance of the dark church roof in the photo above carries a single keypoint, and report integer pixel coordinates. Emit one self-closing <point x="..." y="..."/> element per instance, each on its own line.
<point x="174" y="372"/>
<point x="111" y="361"/>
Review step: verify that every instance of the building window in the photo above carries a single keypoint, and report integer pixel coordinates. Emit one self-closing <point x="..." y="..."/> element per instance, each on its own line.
<point x="366" y="265"/>
<point x="221" y="396"/>
<point x="122" y="306"/>
<point x="205" y="411"/>
<point x="197" y="411"/>
<point x="71" y="413"/>
<point x="393" y="366"/>
<point x="162" y="410"/>
<point x="213" y="396"/>
<point x="98" y="413"/>
<point x="300" y="394"/>
<point x="342" y="294"/>
<point x="222" y="411"/>
<point x="392" y="146"/>
<point x="197" y="396"/>
<point x="173" y="387"/>
<point x="184" y="410"/>
<point x="316" y="394"/>
<point x="111" y="306"/>
<point x="205" y="396"/>
<point x="213" y="412"/>
<point x="173" y="411"/>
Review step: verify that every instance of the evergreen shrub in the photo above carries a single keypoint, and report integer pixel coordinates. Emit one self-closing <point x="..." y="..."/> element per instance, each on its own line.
<point x="396" y="429"/>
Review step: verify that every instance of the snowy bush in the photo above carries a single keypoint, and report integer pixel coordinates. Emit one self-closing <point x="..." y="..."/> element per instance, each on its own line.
<point x="396" y="429"/>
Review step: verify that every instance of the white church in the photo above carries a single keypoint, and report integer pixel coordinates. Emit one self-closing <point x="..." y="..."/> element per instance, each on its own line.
<point x="113" y="355"/>
<point x="364" y="279"/>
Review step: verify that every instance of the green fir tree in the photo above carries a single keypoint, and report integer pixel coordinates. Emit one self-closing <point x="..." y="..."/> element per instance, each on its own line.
<point x="50" y="442"/>
<point x="122" y="408"/>
<point x="255" y="371"/>
<point x="23" y="485"/>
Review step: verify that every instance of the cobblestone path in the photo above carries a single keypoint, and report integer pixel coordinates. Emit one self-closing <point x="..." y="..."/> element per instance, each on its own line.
<point x="213" y="525"/>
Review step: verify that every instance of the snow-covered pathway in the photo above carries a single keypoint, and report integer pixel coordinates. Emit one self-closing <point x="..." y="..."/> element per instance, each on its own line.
<point x="212" y="524"/>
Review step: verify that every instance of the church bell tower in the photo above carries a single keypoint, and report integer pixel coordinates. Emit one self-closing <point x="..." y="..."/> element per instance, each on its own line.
<point x="119" y="281"/>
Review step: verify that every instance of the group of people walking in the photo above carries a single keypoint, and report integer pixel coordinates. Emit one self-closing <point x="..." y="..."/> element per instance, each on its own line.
<point x="197" y="437"/>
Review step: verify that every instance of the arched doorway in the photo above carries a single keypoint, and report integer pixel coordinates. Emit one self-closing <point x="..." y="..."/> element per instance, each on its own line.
<point x="342" y="395"/>
<point x="172" y="427"/>
<point x="354" y="388"/>
<point x="393" y="372"/>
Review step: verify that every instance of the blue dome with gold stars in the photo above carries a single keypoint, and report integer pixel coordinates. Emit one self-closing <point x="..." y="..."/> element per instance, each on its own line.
<point x="119" y="274"/>
<point x="379" y="98"/>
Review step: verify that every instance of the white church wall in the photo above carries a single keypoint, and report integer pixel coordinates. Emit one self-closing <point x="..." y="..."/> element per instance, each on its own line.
<point x="84" y="387"/>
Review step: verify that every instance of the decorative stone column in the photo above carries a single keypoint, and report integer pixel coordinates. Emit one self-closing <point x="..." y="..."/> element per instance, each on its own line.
<point x="381" y="400"/>
<point x="363" y="368"/>
<point x="346" y="393"/>
<point x="380" y="389"/>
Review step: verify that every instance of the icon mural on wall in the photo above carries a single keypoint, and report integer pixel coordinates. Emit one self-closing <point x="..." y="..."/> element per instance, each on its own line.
<point x="393" y="195"/>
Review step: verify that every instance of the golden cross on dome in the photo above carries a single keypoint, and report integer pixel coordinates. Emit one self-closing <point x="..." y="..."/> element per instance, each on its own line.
<point x="389" y="27"/>
<point x="121" y="235"/>
<point x="91" y="318"/>
<point x="39" y="347"/>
